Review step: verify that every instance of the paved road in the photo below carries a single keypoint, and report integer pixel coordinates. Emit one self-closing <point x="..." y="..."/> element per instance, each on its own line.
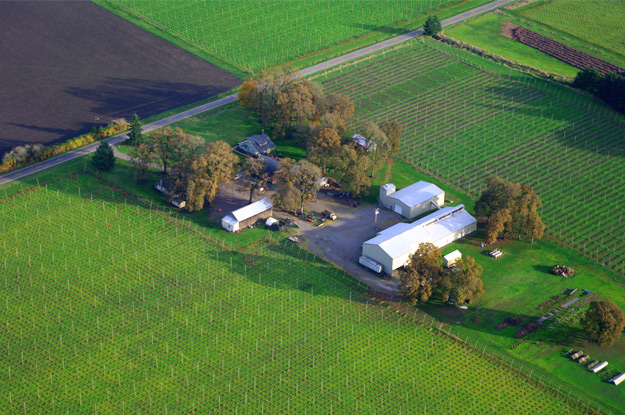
<point x="232" y="98"/>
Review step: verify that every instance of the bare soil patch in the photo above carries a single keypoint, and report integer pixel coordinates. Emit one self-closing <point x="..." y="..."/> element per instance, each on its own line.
<point x="566" y="54"/>
<point x="70" y="65"/>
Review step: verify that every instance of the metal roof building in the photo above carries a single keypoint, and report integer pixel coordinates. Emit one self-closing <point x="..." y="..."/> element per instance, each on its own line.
<point x="247" y="215"/>
<point x="414" y="200"/>
<point x="393" y="246"/>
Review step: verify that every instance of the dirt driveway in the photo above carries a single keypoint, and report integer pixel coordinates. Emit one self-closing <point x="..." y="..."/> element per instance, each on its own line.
<point x="336" y="241"/>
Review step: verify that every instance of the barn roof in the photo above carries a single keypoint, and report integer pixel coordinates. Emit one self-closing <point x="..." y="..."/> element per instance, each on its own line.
<point x="249" y="211"/>
<point x="405" y="237"/>
<point x="417" y="193"/>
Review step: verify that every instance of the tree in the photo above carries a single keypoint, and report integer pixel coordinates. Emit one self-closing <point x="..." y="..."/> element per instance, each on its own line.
<point x="175" y="149"/>
<point x="463" y="282"/>
<point x="378" y="144"/>
<point x="393" y="132"/>
<point x="340" y="105"/>
<point x="611" y="89"/>
<point x="353" y="170"/>
<point x="287" y="197"/>
<point x="248" y="95"/>
<point x="604" y="322"/>
<point x="496" y="225"/>
<point x="535" y="227"/>
<point x="206" y="172"/>
<point x="421" y="274"/>
<point x="432" y="26"/>
<point x="499" y="194"/>
<point x="321" y="145"/>
<point x="135" y="135"/>
<point x="162" y="141"/>
<point x="103" y="158"/>
<point x="141" y="160"/>
<point x="257" y="175"/>
<point x="587" y="79"/>
<point x="307" y="179"/>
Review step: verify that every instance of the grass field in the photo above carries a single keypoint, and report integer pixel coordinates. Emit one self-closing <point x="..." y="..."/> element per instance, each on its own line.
<point x="466" y="119"/>
<point x="484" y="33"/>
<point x="596" y="21"/>
<point x="113" y="304"/>
<point x="252" y="35"/>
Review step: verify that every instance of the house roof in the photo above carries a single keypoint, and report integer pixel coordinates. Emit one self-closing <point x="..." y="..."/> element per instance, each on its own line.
<point x="363" y="142"/>
<point x="405" y="237"/>
<point x="258" y="144"/>
<point x="417" y="193"/>
<point x="248" y="211"/>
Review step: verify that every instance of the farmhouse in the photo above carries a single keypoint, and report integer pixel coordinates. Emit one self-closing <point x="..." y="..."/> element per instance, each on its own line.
<point x="362" y="142"/>
<point x="412" y="201"/>
<point x="393" y="246"/>
<point x="258" y="144"/>
<point x="248" y="215"/>
<point x="166" y="187"/>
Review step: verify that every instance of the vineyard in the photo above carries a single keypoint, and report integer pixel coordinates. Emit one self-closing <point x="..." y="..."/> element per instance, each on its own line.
<point x="113" y="305"/>
<point x="252" y="35"/>
<point x="596" y="21"/>
<point x="466" y="119"/>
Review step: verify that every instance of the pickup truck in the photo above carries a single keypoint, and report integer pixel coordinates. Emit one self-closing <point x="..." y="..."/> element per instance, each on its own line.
<point x="329" y="214"/>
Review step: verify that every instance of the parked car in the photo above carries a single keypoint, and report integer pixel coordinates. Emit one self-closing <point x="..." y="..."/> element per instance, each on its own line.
<point x="293" y="239"/>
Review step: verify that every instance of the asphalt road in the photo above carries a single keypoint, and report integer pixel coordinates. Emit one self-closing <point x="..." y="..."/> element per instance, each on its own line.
<point x="18" y="174"/>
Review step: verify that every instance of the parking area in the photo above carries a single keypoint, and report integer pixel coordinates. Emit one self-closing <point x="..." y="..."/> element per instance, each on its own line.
<point x="338" y="241"/>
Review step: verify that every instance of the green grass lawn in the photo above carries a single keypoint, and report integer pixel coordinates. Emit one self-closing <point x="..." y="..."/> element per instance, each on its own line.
<point x="115" y="304"/>
<point x="597" y="21"/>
<point x="484" y="33"/>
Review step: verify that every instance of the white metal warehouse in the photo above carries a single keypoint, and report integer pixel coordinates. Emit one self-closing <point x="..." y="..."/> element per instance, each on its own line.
<point x="393" y="246"/>
<point x="412" y="201"/>
<point x="247" y="215"/>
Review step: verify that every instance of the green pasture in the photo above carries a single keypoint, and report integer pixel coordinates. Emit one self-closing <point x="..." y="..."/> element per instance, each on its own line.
<point x="466" y="119"/>
<point x="251" y="35"/>
<point x="113" y="303"/>
<point x="597" y="21"/>
<point x="484" y="33"/>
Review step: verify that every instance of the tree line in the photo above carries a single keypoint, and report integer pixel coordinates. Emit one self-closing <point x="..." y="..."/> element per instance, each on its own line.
<point x="609" y="87"/>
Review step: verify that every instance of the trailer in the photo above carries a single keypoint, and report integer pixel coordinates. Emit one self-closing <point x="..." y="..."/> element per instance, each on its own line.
<point x="617" y="379"/>
<point x="600" y="366"/>
<point x="576" y="355"/>
<point x="367" y="262"/>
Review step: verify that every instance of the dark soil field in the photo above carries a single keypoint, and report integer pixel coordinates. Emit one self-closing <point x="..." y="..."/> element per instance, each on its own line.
<point x="69" y="65"/>
<point x="558" y="50"/>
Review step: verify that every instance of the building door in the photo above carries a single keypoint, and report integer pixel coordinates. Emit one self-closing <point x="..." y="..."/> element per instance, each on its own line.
<point x="397" y="208"/>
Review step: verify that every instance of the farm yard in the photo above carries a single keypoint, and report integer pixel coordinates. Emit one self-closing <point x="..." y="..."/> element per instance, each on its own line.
<point x="467" y="119"/>
<point x="598" y="21"/>
<point x="276" y="31"/>
<point x="102" y="315"/>
<point x="53" y="92"/>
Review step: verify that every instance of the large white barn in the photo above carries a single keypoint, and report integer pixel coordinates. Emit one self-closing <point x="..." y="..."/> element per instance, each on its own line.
<point x="412" y="201"/>
<point x="393" y="246"/>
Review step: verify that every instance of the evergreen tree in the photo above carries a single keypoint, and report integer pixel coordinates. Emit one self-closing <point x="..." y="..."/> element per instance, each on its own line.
<point x="432" y="26"/>
<point x="135" y="136"/>
<point x="103" y="158"/>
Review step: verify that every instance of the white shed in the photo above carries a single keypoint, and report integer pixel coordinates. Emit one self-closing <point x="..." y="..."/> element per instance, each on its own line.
<point x="599" y="367"/>
<point x="451" y="258"/>
<point x="247" y="215"/>
<point x="412" y="201"/>
<point x="393" y="246"/>
<point x="618" y="379"/>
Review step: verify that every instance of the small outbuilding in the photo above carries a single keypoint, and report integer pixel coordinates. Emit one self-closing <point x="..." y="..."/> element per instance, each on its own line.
<point x="257" y="145"/>
<point x="167" y="187"/>
<point x="412" y="201"/>
<point x="247" y="215"/>
<point x="451" y="258"/>
<point x="618" y="379"/>
<point x="362" y="142"/>
<point x="600" y="366"/>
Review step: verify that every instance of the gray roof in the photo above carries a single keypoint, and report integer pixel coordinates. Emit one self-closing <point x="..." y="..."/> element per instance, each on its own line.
<point x="258" y="144"/>
<point x="417" y="193"/>
<point x="405" y="237"/>
<point x="249" y="211"/>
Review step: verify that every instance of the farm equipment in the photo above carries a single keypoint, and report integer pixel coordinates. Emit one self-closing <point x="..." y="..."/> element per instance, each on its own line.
<point x="329" y="214"/>
<point x="310" y="218"/>
<point x="291" y="222"/>
<point x="562" y="271"/>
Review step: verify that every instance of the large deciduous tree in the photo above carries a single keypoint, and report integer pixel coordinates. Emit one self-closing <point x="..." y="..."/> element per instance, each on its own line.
<point x="141" y="160"/>
<point x="322" y="144"/>
<point x="352" y="170"/>
<point x="377" y="143"/>
<point x="393" y="131"/>
<point x="604" y="322"/>
<point x="421" y="274"/>
<point x="463" y="282"/>
<point x="257" y="176"/>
